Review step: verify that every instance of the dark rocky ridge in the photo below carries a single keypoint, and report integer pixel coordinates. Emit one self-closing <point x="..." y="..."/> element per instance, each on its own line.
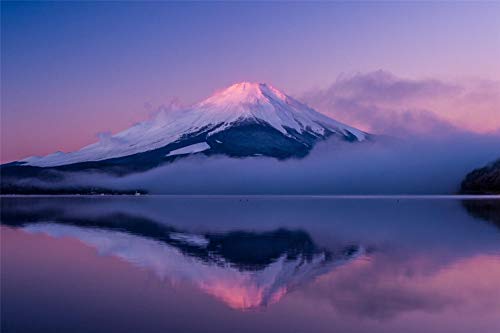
<point x="485" y="180"/>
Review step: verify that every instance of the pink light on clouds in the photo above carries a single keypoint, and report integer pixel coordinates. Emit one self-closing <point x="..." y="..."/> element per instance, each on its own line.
<point x="381" y="102"/>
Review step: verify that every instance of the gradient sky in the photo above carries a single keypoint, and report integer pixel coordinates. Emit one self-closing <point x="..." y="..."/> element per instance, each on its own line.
<point x="71" y="70"/>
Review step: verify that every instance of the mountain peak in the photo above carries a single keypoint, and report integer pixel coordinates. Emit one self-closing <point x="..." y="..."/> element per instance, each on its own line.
<point x="245" y="93"/>
<point x="246" y="85"/>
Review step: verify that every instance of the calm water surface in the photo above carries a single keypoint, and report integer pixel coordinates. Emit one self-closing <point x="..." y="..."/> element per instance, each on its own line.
<point x="249" y="264"/>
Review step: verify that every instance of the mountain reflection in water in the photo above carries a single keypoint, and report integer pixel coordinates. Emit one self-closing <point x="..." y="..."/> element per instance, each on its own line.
<point x="243" y="269"/>
<point x="307" y="264"/>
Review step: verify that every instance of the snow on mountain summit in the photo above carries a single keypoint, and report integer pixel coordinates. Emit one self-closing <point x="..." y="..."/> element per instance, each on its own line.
<point x="260" y="101"/>
<point x="238" y="105"/>
<point x="245" y="92"/>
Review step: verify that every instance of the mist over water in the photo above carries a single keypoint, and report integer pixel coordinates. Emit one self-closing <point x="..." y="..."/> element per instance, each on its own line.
<point x="432" y="165"/>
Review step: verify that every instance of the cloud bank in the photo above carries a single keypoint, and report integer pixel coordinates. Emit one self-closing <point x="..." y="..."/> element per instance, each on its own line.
<point x="381" y="102"/>
<point x="423" y="166"/>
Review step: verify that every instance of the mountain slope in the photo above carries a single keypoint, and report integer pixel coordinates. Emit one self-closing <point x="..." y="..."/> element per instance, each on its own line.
<point x="242" y="120"/>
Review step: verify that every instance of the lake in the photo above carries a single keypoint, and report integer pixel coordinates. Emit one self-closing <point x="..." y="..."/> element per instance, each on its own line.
<point x="250" y="264"/>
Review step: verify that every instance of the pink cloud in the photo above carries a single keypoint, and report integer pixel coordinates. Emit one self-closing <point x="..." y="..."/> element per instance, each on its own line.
<point x="381" y="102"/>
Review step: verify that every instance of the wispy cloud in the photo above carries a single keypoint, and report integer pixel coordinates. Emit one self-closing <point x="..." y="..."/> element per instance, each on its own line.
<point x="381" y="102"/>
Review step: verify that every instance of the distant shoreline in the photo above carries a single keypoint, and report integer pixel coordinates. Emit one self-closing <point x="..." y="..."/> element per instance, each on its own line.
<point x="263" y="196"/>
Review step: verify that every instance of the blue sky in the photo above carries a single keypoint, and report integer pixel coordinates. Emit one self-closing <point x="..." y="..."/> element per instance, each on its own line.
<point x="73" y="69"/>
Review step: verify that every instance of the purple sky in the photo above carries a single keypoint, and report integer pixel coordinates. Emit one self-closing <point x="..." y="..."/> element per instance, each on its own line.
<point x="72" y="70"/>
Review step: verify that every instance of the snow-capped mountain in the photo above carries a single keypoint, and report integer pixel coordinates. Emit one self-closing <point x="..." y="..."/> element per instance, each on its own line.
<point x="246" y="119"/>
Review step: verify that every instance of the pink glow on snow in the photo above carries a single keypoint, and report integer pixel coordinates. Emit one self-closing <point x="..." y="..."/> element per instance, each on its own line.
<point x="244" y="92"/>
